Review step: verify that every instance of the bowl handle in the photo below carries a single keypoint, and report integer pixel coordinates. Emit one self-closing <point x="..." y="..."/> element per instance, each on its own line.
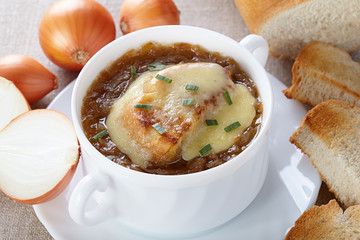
<point x="258" y="46"/>
<point x="81" y="195"/>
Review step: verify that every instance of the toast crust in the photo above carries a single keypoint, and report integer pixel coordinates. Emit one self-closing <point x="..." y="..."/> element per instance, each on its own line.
<point x="327" y="222"/>
<point x="257" y="13"/>
<point x="290" y="25"/>
<point x="322" y="72"/>
<point x="330" y="136"/>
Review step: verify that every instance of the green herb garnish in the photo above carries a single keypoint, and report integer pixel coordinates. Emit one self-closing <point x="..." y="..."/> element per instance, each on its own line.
<point x="191" y="87"/>
<point x="163" y="78"/>
<point x="205" y="150"/>
<point x="227" y="97"/>
<point x="143" y="106"/>
<point x="189" y="101"/>
<point x="213" y="122"/>
<point x="133" y="71"/>
<point x="101" y="134"/>
<point x="111" y="157"/>
<point x="159" y="128"/>
<point x="156" y="66"/>
<point x="232" y="126"/>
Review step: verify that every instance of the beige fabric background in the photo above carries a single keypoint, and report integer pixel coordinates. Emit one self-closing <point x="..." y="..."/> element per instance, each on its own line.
<point x="19" y="22"/>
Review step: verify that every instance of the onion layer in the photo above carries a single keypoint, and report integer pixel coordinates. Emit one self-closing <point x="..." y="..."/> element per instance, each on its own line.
<point x="72" y="31"/>
<point x="139" y="14"/>
<point x="13" y="102"/>
<point x="28" y="75"/>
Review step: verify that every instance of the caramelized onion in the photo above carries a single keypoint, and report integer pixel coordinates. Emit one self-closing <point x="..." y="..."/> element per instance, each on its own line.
<point x="72" y="31"/>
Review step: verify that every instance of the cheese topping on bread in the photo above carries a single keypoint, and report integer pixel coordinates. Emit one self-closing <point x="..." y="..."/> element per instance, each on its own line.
<point x="132" y="129"/>
<point x="241" y="110"/>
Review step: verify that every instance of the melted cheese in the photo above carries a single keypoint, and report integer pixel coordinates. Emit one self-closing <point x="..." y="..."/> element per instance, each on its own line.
<point x="241" y="110"/>
<point x="131" y="129"/>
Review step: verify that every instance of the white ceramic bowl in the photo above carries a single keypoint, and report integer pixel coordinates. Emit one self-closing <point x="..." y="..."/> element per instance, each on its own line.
<point x="176" y="204"/>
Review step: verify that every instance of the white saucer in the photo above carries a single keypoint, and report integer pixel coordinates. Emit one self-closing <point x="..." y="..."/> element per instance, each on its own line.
<point x="291" y="186"/>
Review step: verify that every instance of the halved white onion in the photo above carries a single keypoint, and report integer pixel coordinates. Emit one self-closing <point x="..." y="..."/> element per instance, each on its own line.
<point x="39" y="152"/>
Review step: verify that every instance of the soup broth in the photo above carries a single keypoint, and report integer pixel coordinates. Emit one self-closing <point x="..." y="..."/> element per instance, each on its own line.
<point x="113" y="82"/>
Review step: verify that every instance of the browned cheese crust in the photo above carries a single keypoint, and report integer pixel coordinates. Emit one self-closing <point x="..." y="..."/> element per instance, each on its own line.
<point x="162" y="146"/>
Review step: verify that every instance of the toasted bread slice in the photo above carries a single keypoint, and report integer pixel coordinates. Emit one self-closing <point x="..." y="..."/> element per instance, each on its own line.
<point x="322" y="72"/>
<point x="330" y="136"/>
<point x="327" y="222"/>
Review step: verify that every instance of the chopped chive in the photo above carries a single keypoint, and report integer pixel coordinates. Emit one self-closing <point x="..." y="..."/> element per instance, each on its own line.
<point x="111" y="157"/>
<point x="189" y="101"/>
<point x="191" y="87"/>
<point x="227" y="97"/>
<point x="156" y="66"/>
<point x="133" y="71"/>
<point x="101" y="134"/>
<point x="163" y="78"/>
<point x="213" y="122"/>
<point x="232" y="126"/>
<point x="159" y="128"/>
<point x="205" y="150"/>
<point x="143" y="106"/>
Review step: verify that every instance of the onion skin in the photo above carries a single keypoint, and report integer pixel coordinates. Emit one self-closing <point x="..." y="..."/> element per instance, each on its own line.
<point x="28" y="75"/>
<point x="72" y="31"/>
<point x="139" y="14"/>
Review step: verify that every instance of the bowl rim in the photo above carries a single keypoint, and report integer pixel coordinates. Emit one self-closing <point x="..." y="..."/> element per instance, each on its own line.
<point x="183" y="179"/>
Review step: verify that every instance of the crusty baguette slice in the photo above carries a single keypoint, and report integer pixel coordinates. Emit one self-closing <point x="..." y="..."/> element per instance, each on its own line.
<point x="330" y="136"/>
<point x="322" y="72"/>
<point x="327" y="222"/>
<point x="289" y="25"/>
